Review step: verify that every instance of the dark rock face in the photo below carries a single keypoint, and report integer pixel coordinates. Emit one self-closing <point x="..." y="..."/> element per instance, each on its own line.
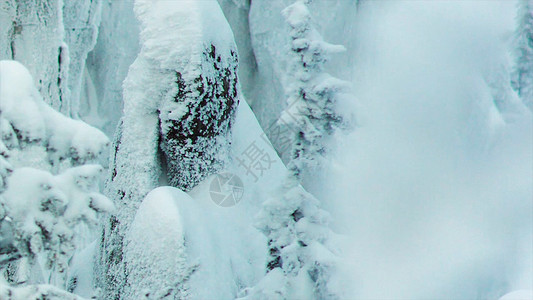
<point x="196" y="143"/>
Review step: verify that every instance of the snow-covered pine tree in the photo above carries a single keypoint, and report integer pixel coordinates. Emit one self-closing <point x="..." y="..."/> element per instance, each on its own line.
<point x="40" y="212"/>
<point x="180" y="98"/>
<point x="302" y="253"/>
<point x="35" y="292"/>
<point x="34" y="133"/>
<point x="5" y="166"/>
<point x="312" y="93"/>
<point x="523" y="73"/>
<point x="43" y="212"/>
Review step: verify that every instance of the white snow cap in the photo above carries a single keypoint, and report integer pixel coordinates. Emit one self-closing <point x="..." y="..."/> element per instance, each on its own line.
<point x="17" y="92"/>
<point x="193" y="25"/>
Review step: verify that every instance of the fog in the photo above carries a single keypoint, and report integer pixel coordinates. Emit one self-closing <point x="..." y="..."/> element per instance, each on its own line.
<point x="434" y="185"/>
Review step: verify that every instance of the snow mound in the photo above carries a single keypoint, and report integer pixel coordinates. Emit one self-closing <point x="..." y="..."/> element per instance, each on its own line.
<point x="518" y="295"/>
<point x="208" y="257"/>
<point x="156" y="249"/>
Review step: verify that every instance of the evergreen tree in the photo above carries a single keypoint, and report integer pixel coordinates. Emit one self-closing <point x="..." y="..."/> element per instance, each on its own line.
<point x="302" y="251"/>
<point x="523" y="73"/>
<point x="35" y="292"/>
<point x="312" y="94"/>
<point x="48" y="189"/>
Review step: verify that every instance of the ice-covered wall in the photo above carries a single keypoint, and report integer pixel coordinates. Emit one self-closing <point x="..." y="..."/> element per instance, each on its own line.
<point x="7" y="15"/>
<point x="81" y="19"/>
<point x="236" y="12"/>
<point x="55" y="40"/>
<point x="32" y="33"/>
<point x="52" y="38"/>
<point x="107" y="65"/>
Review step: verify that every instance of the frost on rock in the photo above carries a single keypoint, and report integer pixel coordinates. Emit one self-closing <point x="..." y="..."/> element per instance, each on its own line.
<point x="35" y="134"/>
<point x="196" y="124"/>
<point x="198" y="108"/>
<point x="523" y="73"/>
<point x="180" y="98"/>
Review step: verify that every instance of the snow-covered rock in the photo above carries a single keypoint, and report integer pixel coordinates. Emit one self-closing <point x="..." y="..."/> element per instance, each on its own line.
<point x="180" y="98"/>
<point x="156" y="262"/>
